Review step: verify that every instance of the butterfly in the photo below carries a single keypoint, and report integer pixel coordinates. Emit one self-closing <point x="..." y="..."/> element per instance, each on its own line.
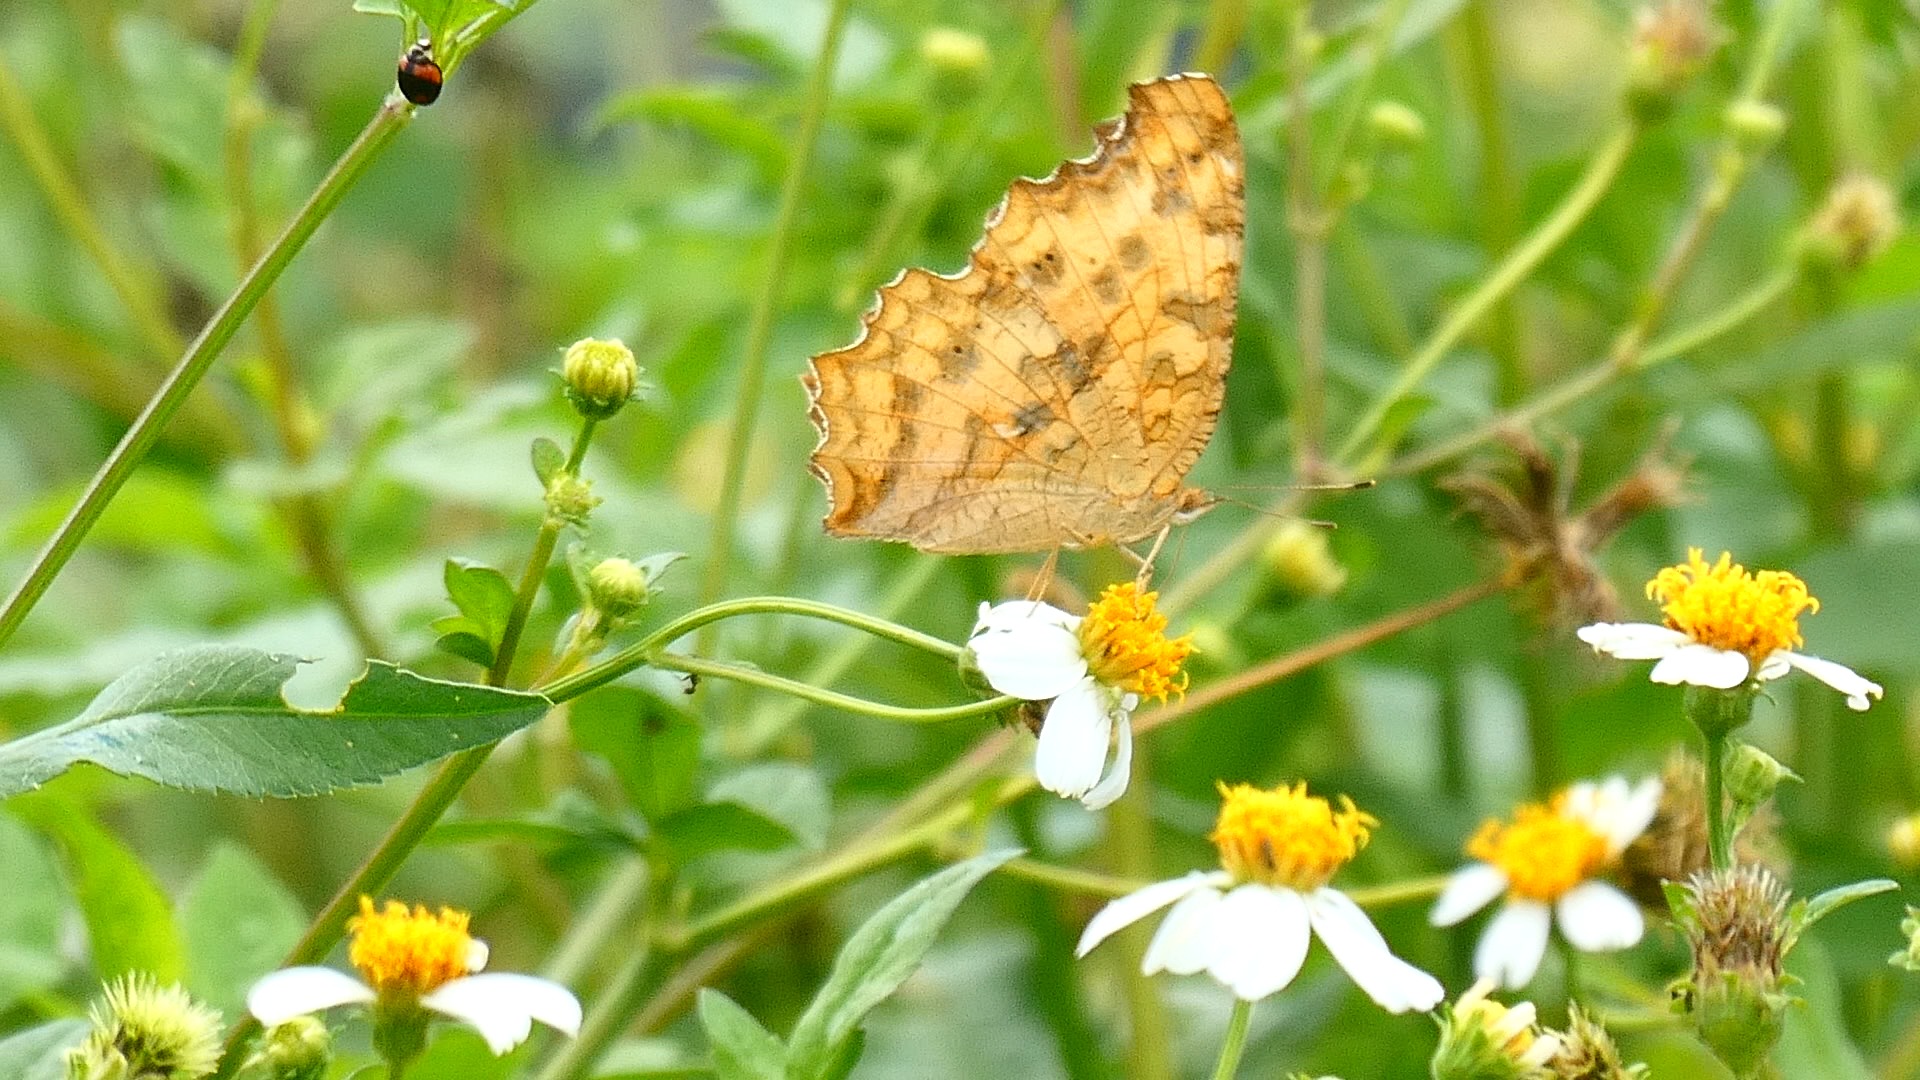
<point x="1057" y="390"/>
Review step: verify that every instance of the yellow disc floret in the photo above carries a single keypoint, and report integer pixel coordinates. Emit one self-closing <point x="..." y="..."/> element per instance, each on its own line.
<point x="1722" y="605"/>
<point x="1124" y="639"/>
<point x="1285" y="836"/>
<point x="409" y="952"/>
<point x="1545" y="852"/>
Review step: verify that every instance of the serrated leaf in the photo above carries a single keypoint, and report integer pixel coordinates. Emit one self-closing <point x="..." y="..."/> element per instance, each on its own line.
<point x="1804" y="913"/>
<point x="212" y="718"/>
<point x="548" y="459"/>
<point x="742" y="1049"/>
<point x="238" y="923"/>
<point x="726" y="826"/>
<point x="40" y="1053"/>
<point x="876" y="960"/>
<point x="129" y="922"/>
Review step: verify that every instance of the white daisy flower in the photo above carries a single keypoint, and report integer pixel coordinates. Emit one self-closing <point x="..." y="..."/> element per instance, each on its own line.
<point x="1726" y="627"/>
<point x="1546" y="863"/>
<point x="412" y="960"/>
<point x="1094" y="670"/>
<point x="1249" y="924"/>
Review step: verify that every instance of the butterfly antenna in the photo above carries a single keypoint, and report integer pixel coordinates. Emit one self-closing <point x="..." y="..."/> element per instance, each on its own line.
<point x="1345" y="485"/>
<point x="1278" y="515"/>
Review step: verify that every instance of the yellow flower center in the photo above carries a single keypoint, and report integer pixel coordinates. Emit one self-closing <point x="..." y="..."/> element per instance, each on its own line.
<point x="409" y="952"/>
<point x="1544" y="852"/>
<point x="1722" y="605"/>
<point x="1125" y="642"/>
<point x="1286" y="836"/>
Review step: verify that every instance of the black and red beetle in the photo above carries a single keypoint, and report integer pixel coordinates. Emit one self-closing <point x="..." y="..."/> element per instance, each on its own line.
<point x="419" y="76"/>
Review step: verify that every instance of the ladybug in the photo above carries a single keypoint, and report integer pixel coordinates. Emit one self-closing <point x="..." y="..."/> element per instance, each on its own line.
<point x="419" y="76"/>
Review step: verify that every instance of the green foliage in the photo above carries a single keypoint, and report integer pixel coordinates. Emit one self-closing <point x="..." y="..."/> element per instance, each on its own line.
<point x="213" y="719"/>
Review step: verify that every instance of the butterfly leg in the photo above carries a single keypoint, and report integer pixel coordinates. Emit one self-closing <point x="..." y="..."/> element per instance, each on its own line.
<point x="1043" y="580"/>
<point x="1145" y="573"/>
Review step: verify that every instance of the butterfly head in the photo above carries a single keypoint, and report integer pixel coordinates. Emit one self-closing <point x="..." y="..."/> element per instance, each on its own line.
<point x="1190" y="503"/>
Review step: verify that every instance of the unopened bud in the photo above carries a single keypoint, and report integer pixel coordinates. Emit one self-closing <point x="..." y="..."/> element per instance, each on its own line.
<point x="954" y="54"/>
<point x="1671" y="43"/>
<point x="1756" y="124"/>
<point x="299" y="1049"/>
<point x="600" y="376"/>
<point x="1396" y="126"/>
<point x="1854" y="225"/>
<point x="1752" y="774"/>
<point x="1300" y="562"/>
<point x="617" y="587"/>
<point x="570" y="499"/>
<point x="1903" y="841"/>
<point x="1587" y="1052"/>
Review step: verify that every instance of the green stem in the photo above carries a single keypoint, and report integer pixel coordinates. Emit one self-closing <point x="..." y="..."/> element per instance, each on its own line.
<point x="1719" y="836"/>
<point x="642" y="652"/>
<point x="1514" y="269"/>
<point x="1500" y="203"/>
<point x="751" y="676"/>
<point x="179" y="383"/>
<point x="1308" y="220"/>
<point x="753" y="364"/>
<point x="535" y="571"/>
<point x="1374" y="49"/>
<point x="1236" y="1042"/>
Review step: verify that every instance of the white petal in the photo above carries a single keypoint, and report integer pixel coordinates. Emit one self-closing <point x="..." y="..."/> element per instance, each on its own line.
<point x="1471" y="888"/>
<point x="1513" y="944"/>
<point x="1357" y="946"/>
<point x="1774" y="666"/>
<point x="1702" y="665"/>
<point x="1137" y="905"/>
<point x="1616" y="810"/>
<point x="1260" y="937"/>
<point x="1633" y="815"/>
<point x="503" y="1007"/>
<point x="1184" y="942"/>
<point x="1073" y="740"/>
<point x="476" y="955"/>
<point x="1839" y="676"/>
<point x="1596" y="917"/>
<point x="1016" y="613"/>
<point x="1114" y="784"/>
<point x="1632" y="641"/>
<point x="1032" y="660"/>
<point x="282" y="995"/>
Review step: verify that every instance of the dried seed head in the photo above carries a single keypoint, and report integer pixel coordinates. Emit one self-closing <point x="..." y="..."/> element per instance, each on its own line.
<point x="1587" y="1052"/>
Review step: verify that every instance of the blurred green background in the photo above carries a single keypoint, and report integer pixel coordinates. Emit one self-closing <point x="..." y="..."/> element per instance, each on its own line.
<point x="613" y="169"/>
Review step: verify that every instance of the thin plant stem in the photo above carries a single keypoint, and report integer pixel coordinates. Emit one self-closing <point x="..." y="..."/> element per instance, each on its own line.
<point x="752" y="676"/>
<point x="1600" y="173"/>
<point x="753" y="363"/>
<point x="380" y="131"/>
<point x="1678" y="343"/>
<point x="136" y="292"/>
<point x="1499" y="201"/>
<point x="1374" y="49"/>
<point x="1236" y="1040"/>
<point x="1308" y="221"/>
<point x="1719" y="835"/>
<point x="1130" y="848"/>
<point x="536" y="569"/>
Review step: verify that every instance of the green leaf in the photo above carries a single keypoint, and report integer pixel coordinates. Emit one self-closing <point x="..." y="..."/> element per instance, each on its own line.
<point x="211" y="718"/>
<point x="1804" y="913"/>
<point x="548" y="459"/>
<point x="482" y="594"/>
<point x="742" y="1049"/>
<point x="238" y="923"/>
<point x="702" y="830"/>
<point x="40" y="1053"/>
<point x="653" y="746"/>
<point x="30" y="919"/>
<point x="129" y="922"/>
<point x="457" y="1053"/>
<point x="1814" y="1040"/>
<point x="876" y="960"/>
<point x="792" y="795"/>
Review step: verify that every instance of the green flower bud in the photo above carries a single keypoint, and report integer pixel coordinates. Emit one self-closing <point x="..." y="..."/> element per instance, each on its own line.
<point x="1903" y="841"/>
<point x="617" y="587"/>
<point x="601" y="377"/>
<point x="1752" y="774"/>
<point x="1481" y="1039"/>
<point x="1396" y="126"/>
<point x="1300" y="563"/>
<point x="1756" y="124"/>
<point x="145" y="1031"/>
<point x="1853" y="226"/>
<point x="299" y="1049"/>
<point x="1671" y="43"/>
<point x="570" y="499"/>
<point x="958" y="61"/>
